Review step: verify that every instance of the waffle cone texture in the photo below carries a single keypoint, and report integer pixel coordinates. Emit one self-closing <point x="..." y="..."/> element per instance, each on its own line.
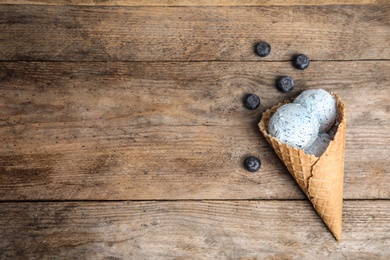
<point x="320" y="178"/>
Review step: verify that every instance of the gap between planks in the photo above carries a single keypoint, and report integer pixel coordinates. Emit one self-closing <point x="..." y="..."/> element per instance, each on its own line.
<point x="185" y="3"/>
<point x="189" y="61"/>
<point x="179" y="200"/>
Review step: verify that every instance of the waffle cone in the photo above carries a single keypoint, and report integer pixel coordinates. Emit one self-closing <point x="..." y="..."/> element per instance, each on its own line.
<point x="320" y="178"/>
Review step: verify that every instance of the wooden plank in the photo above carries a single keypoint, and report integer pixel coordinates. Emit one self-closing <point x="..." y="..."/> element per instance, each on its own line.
<point x="191" y="230"/>
<point x="92" y="33"/>
<point x="171" y="163"/>
<point x="164" y="93"/>
<point x="118" y="131"/>
<point x="193" y="2"/>
<point x="149" y="163"/>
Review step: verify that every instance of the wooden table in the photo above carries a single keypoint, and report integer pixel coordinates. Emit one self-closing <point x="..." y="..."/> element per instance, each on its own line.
<point x="123" y="131"/>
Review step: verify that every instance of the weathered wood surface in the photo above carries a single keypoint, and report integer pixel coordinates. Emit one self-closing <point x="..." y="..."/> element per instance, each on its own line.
<point x="161" y="120"/>
<point x="90" y="33"/>
<point x="194" y="2"/>
<point x="190" y="230"/>
<point x="142" y="130"/>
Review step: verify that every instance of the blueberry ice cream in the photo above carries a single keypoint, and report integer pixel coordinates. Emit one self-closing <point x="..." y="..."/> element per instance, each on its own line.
<point x="294" y="125"/>
<point x="321" y="104"/>
<point x="319" y="146"/>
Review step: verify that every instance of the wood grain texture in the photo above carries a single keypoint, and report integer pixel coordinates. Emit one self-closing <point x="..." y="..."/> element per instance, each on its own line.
<point x="90" y="33"/>
<point x="193" y="2"/>
<point x="154" y="131"/>
<point x="157" y="125"/>
<point x="190" y="230"/>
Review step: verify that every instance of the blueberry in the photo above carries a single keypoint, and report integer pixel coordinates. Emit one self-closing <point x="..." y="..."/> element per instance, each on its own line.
<point x="285" y="84"/>
<point x="251" y="101"/>
<point x="263" y="49"/>
<point x="252" y="164"/>
<point x="301" y="62"/>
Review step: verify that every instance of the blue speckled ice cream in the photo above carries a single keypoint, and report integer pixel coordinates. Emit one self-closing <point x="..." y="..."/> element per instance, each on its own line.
<point x="319" y="146"/>
<point x="320" y="103"/>
<point x="295" y="125"/>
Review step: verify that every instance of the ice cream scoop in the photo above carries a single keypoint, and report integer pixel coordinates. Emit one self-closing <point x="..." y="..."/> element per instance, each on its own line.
<point x="294" y="125"/>
<point x="319" y="146"/>
<point x="321" y="104"/>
